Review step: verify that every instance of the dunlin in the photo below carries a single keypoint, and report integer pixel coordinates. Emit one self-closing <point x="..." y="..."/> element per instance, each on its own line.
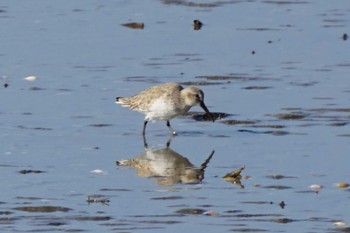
<point x="164" y="102"/>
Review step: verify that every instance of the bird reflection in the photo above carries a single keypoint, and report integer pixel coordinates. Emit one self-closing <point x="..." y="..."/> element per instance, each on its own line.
<point x="166" y="166"/>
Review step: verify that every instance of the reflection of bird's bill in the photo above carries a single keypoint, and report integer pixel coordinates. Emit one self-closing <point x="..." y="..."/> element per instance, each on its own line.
<point x="206" y="110"/>
<point x="205" y="163"/>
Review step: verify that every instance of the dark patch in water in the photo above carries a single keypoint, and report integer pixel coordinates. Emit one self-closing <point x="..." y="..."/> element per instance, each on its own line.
<point x="343" y="65"/>
<point x="199" y="116"/>
<point x="281" y="204"/>
<point x="186" y="54"/>
<point x="160" y="222"/>
<point x="256" y="215"/>
<point x="100" y="125"/>
<point x="247" y="230"/>
<point x="268" y="126"/>
<point x="56" y="224"/>
<point x="256" y="88"/>
<point x="31" y="171"/>
<point x="5" y="212"/>
<point x="290" y="116"/>
<point x="93" y="68"/>
<point x="34" y="128"/>
<point x="342" y="229"/>
<point x="279" y="2"/>
<point x="42" y="209"/>
<point x="258" y="202"/>
<point x="323" y="110"/>
<point x="32" y="198"/>
<point x="259" y="29"/>
<point x="91" y="218"/>
<point x="115" y="190"/>
<point x="219" y="136"/>
<point x="167" y="198"/>
<point x="273" y="132"/>
<point x="240" y="77"/>
<point x="339" y="124"/>
<point x="190" y="211"/>
<point x="282" y="220"/>
<point x="190" y="83"/>
<point x="6" y="165"/>
<point x="233" y="211"/>
<point x="37" y="89"/>
<point x="161" y="63"/>
<point x="8" y="220"/>
<point x="142" y="79"/>
<point x="279" y="177"/>
<point x="82" y="117"/>
<point x="64" y="90"/>
<point x="280" y="187"/>
<point x="239" y="122"/>
<point x="190" y="4"/>
<point x="305" y="84"/>
<point x="155" y="216"/>
<point x="134" y="25"/>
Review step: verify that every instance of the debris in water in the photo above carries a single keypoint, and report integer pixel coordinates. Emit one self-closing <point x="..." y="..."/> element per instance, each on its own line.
<point x="342" y="185"/>
<point x="97" y="199"/>
<point x="282" y="204"/>
<point x="134" y="25"/>
<point x="197" y="25"/>
<point x="235" y="177"/>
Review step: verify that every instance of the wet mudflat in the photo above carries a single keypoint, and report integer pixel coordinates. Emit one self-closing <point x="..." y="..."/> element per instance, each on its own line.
<point x="274" y="73"/>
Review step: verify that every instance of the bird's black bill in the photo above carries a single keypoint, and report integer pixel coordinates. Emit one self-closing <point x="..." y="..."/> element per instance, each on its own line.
<point x="207" y="111"/>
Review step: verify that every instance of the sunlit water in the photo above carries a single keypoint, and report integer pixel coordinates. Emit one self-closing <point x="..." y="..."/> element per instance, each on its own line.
<point x="280" y="69"/>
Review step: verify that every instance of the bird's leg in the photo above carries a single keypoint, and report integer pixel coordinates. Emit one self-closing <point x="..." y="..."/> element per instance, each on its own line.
<point x="169" y="141"/>
<point x="145" y="145"/>
<point x="144" y="127"/>
<point x="171" y="129"/>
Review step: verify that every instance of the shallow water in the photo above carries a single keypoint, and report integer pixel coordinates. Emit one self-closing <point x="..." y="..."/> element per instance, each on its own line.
<point x="277" y="69"/>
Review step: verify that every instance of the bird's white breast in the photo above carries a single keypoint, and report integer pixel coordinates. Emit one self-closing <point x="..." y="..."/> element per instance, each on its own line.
<point x="162" y="109"/>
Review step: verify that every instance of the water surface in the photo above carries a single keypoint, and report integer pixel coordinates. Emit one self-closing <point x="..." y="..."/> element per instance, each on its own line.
<point x="277" y="69"/>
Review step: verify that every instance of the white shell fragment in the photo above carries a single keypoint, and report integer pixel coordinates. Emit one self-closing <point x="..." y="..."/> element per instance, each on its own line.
<point x="340" y="224"/>
<point x="98" y="171"/>
<point x="316" y="187"/>
<point x="31" y="78"/>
